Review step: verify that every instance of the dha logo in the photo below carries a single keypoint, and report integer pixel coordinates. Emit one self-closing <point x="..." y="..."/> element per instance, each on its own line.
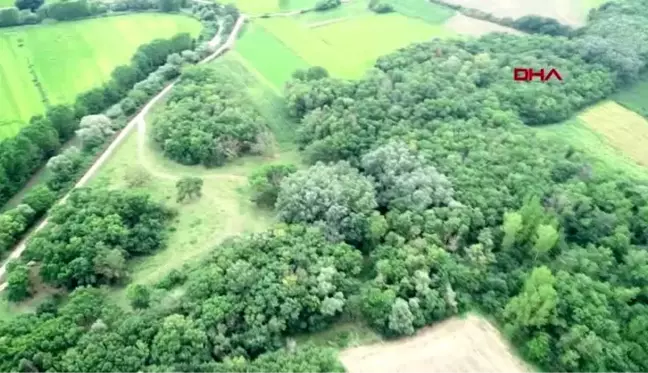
<point x="523" y="74"/>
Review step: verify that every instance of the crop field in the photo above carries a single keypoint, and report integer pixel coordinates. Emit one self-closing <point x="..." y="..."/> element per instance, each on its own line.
<point x="571" y="12"/>
<point x="623" y="128"/>
<point x="429" y="12"/>
<point x="272" y="6"/>
<point x="463" y="25"/>
<point x="224" y="210"/>
<point x="332" y="46"/>
<point x="468" y="344"/>
<point x="268" y="55"/>
<point x="613" y="136"/>
<point x="71" y="57"/>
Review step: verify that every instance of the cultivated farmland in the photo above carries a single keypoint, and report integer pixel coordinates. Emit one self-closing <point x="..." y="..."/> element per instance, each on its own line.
<point x="330" y="46"/>
<point x="624" y="129"/>
<point x="461" y="24"/>
<point x="272" y="6"/>
<point x="571" y="12"/>
<point x="70" y="58"/>
<point x="455" y="345"/>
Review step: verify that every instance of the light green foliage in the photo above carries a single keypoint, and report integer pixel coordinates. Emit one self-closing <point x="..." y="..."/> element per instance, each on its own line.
<point x="18" y="284"/>
<point x="512" y="226"/>
<point x="400" y="319"/>
<point x="535" y="306"/>
<point x="335" y="196"/>
<point x="67" y="61"/>
<point x="139" y="296"/>
<point x="545" y="239"/>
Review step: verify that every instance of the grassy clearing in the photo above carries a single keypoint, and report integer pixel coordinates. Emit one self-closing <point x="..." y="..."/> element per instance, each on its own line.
<point x="71" y="57"/>
<point x="342" y="335"/>
<point x="635" y="97"/>
<point x="431" y="13"/>
<point x="224" y="209"/>
<point x="348" y="48"/>
<point x="610" y="134"/>
<point x="272" y="6"/>
<point x="268" y="55"/>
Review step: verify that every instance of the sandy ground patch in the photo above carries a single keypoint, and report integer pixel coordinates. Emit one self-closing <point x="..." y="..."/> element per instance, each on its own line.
<point x="457" y="345"/>
<point x="569" y="12"/>
<point x="475" y="27"/>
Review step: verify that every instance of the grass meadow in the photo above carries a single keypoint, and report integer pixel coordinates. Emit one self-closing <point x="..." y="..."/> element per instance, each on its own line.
<point x="431" y="13"/>
<point x="224" y="210"/>
<point x="347" y="49"/>
<point x="69" y="58"/>
<point x="634" y="97"/>
<point x="613" y="136"/>
<point x="268" y="56"/>
<point x="272" y="6"/>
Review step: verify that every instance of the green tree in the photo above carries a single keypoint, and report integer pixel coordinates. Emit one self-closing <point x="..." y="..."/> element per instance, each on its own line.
<point x="536" y="305"/>
<point x="179" y="341"/>
<point x="400" y="319"/>
<point x="18" y="283"/>
<point x="265" y="182"/>
<point x="139" y="296"/>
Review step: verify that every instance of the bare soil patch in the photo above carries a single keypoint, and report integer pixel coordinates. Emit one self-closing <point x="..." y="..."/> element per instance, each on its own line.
<point x="475" y="27"/>
<point x="570" y="12"/>
<point x="468" y="344"/>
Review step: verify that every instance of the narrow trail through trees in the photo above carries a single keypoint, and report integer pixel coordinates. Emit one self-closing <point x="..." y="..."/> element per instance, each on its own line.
<point x="139" y="118"/>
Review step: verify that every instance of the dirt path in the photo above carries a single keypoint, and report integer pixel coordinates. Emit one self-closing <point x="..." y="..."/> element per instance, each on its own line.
<point x="139" y="118"/>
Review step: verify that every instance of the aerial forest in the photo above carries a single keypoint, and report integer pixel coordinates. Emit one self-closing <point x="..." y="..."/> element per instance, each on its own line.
<point x="425" y="196"/>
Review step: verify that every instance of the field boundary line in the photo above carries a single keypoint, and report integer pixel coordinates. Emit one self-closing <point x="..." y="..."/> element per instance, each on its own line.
<point x="20" y="247"/>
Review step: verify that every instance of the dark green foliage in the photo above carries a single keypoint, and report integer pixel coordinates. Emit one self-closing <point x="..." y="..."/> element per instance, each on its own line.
<point x="322" y="5"/>
<point x="89" y="238"/>
<point x="208" y="119"/>
<point x="169" y="5"/>
<point x="265" y="182"/>
<point x="67" y="10"/>
<point x="542" y="25"/>
<point x="9" y="17"/>
<point x="139" y="296"/>
<point x="13" y="223"/>
<point x="41" y="198"/>
<point x="29" y="4"/>
<point x="18" y="287"/>
<point x="379" y="6"/>
<point x="290" y="276"/>
<point x="189" y="187"/>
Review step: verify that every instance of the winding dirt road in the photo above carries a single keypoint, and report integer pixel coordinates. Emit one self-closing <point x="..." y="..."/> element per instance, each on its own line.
<point x="137" y="120"/>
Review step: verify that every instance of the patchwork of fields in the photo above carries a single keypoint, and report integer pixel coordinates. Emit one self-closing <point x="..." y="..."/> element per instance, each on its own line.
<point x="272" y="6"/>
<point x="69" y="58"/>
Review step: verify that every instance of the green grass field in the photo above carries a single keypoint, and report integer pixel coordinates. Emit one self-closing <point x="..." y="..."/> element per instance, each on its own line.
<point x="352" y="9"/>
<point x="635" y="97"/>
<point x="71" y="57"/>
<point x="429" y="12"/>
<point x="272" y="6"/>
<point x="350" y="47"/>
<point x="268" y="56"/>
<point x="613" y="136"/>
<point x="224" y="209"/>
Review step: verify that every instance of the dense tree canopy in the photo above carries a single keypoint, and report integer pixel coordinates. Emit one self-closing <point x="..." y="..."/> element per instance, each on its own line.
<point x="207" y="120"/>
<point x="89" y="237"/>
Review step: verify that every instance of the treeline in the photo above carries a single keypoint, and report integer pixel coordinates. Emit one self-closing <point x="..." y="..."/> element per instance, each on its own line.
<point x="208" y="119"/>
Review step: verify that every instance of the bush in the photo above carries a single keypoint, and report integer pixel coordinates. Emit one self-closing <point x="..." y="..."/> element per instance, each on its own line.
<point x="41" y="198"/>
<point x="379" y="6"/>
